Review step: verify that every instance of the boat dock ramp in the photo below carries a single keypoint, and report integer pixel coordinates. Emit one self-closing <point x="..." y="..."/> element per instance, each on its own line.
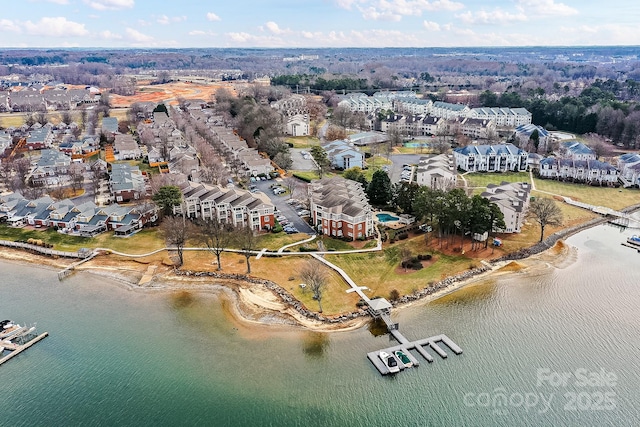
<point x="420" y="346"/>
<point x="18" y="340"/>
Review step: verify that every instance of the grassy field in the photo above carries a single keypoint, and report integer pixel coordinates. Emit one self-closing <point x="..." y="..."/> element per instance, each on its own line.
<point x="481" y="180"/>
<point x="614" y="198"/>
<point x="304" y="142"/>
<point x="283" y="271"/>
<point x="383" y="274"/>
<point x="144" y="241"/>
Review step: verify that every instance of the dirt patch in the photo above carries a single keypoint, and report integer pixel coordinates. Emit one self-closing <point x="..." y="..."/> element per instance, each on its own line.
<point x="512" y="266"/>
<point x="171" y="93"/>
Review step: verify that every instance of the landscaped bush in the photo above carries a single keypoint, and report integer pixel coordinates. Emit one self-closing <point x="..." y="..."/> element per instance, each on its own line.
<point x="302" y="178"/>
<point x="413" y="263"/>
<point x="402" y="236"/>
<point x="425" y="257"/>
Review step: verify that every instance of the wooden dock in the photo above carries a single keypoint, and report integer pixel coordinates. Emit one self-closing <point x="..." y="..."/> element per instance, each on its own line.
<point x="17" y="349"/>
<point x="420" y="346"/>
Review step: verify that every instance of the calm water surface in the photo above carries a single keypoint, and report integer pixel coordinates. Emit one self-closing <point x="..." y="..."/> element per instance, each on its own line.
<point x="121" y="357"/>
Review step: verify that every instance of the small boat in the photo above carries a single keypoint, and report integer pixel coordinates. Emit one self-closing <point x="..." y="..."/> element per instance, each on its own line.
<point x="12" y="331"/>
<point x="403" y="358"/>
<point x="390" y="362"/>
<point x="634" y="240"/>
<point x="23" y="333"/>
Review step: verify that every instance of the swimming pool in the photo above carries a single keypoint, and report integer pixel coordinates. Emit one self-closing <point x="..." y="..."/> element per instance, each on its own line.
<point x="385" y="217"/>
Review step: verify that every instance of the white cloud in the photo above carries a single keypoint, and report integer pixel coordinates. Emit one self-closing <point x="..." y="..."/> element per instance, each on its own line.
<point x="165" y="20"/>
<point x="55" y="27"/>
<point x="110" y="4"/>
<point x="372" y="14"/>
<point x="213" y="17"/>
<point x="546" y="7"/>
<point x="9" y="26"/>
<point x="275" y="29"/>
<point x="496" y="16"/>
<point x="108" y="35"/>
<point x="62" y="2"/>
<point x="201" y="33"/>
<point x="431" y="26"/>
<point x="240" y="37"/>
<point x="394" y="10"/>
<point x="138" y="37"/>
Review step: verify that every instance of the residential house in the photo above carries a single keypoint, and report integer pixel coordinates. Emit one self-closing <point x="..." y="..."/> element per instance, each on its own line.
<point x="437" y="172"/>
<point x="344" y="155"/>
<point x="5" y="142"/>
<point x="447" y="110"/>
<point x="593" y="172"/>
<point x="629" y="166"/>
<point x="228" y="205"/>
<point x="576" y="150"/>
<point x="126" y="182"/>
<point x="39" y="138"/>
<point x="523" y="134"/>
<point x="502" y="116"/>
<point x="126" y="148"/>
<point x="295" y="113"/>
<point x="50" y="167"/>
<point x="339" y="207"/>
<point x="110" y="125"/>
<point x="491" y="158"/>
<point x="513" y="201"/>
<point x="477" y="128"/>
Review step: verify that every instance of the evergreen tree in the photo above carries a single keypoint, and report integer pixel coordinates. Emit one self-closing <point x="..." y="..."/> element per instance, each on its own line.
<point x="379" y="189"/>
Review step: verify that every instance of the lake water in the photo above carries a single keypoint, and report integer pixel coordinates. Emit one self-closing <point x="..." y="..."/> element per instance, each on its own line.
<point x="120" y="357"/>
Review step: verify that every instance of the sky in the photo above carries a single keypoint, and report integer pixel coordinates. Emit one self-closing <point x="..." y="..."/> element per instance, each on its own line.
<point x="317" y="23"/>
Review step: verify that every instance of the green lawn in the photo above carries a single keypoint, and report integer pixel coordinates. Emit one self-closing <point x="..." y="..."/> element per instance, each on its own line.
<point x="614" y="198"/>
<point x="481" y="180"/>
<point x="144" y="241"/>
<point x="303" y="141"/>
<point x="379" y="270"/>
<point x="274" y="241"/>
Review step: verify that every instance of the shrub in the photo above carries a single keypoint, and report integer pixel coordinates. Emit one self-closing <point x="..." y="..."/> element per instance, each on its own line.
<point x="394" y="295"/>
<point x="402" y="236"/>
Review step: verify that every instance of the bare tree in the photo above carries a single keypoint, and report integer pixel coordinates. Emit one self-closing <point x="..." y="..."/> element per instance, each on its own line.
<point x="216" y="236"/>
<point x="314" y="276"/>
<point x="405" y="254"/>
<point x="96" y="174"/>
<point x="76" y="176"/>
<point x="247" y="240"/>
<point x="545" y="212"/>
<point x="21" y="168"/>
<point x="177" y="230"/>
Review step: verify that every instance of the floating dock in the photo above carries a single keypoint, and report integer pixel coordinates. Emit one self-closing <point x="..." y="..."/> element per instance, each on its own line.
<point x="420" y="346"/>
<point x="15" y="348"/>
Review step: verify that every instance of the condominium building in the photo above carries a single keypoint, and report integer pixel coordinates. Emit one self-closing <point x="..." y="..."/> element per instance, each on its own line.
<point x="339" y="207"/>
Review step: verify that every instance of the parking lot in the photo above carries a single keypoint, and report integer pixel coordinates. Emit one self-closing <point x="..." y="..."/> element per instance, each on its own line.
<point x="302" y="159"/>
<point x="284" y="209"/>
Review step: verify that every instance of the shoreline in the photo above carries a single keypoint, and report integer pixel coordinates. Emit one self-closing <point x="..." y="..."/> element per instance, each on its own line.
<point x="270" y="304"/>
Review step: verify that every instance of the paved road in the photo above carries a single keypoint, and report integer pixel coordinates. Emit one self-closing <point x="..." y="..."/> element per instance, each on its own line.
<point x="280" y="202"/>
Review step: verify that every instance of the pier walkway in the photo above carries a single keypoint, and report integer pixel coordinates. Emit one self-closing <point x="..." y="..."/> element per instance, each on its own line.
<point x="16" y="349"/>
<point x="406" y="346"/>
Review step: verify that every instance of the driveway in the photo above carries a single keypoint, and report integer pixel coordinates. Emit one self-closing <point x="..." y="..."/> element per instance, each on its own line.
<point x="280" y="202"/>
